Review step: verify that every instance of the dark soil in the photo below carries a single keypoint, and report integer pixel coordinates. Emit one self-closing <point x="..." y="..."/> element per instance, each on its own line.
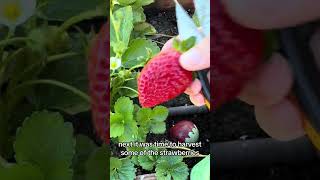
<point x="233" y="121"/>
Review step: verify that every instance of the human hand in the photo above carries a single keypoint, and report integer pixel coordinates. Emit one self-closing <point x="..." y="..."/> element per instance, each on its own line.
<point x="269" y="90"/>
<point x="197" y="58"/>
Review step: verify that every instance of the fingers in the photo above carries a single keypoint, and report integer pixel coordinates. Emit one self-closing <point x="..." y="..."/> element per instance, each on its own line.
<point x="194" y="92"/>
<point x="198" y="57"/>
<point x="197" y="100"/>
<point x="195" y="59"/>
<point x="281" y="121"/>
<point x="194" y="88"/>
<point x="272" y="84"/>
<point x="269" y="14"/>
<point x="268" y="92"/>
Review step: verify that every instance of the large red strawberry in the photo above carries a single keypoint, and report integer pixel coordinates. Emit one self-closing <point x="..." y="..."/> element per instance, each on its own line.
<point x="98" y="70"/>
<point x="162" y="79"/>
<point x="236" y="52"/>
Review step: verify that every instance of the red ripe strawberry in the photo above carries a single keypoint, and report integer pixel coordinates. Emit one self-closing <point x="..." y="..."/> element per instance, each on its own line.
<point x="236" y="52"/>
<point x="98" y="71"/>
<point x="162" y="79"/>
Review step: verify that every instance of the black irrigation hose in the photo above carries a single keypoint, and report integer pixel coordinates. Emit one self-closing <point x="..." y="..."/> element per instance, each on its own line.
<point x="202" y="75"/>
<point x="261" y="152"/>
<point x="187" y="110"/>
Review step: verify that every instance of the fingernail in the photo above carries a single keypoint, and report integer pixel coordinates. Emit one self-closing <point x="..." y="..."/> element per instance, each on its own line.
<point x="197" y="100"/>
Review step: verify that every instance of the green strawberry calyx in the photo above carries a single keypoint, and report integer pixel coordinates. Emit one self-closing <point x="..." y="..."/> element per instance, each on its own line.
<point x="184" y="45"/>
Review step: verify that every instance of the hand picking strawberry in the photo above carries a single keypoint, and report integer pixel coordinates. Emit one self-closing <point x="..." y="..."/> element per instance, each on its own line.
<point x="232" y="66"/>
<point x="195" y="59"/>
<point x="163" y="78"/>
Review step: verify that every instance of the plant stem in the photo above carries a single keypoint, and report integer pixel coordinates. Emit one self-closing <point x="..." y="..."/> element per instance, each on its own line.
<point x="164" y="35"/>
<point x="158" y="42"/>
<point x="61" y="56"/>
<point x="50" y="60"/>
<point x="74" y="90"/>
<point x="13" y="40"/>
<point x="135" y="67"/>
<point x="83" y="16"/>
<point x="129" y="79"/>
<point x="124" y="87"/>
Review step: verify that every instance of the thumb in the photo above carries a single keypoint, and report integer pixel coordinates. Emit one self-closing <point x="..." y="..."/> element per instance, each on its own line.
<point x="198" y="57"/>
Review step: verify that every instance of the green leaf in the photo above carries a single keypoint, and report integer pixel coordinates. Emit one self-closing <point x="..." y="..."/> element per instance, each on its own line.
<point x="125" y="2"/>
<point x="97" y="165"/>
<point x="134" y="159"/>
<point x="171" y="167"/>
<point x="44" y="139"/>
<point x="143" y="2"/>
<point x="120" y="29"/>
<point x="123" y="116"/>
<point x="116" y="125"/>
<point x="144" y="28"/>
<point x="138" y="14"/>
<point x="84" y="148"/>
<point x="122" y="171"/>
<point x="63" y="10"/>
<point x="184" y="45"/>
<point x="21" y="172"/>
<point x="158" y="127"/>
<point x="124" y="106"/>
<point x="148" y="162"/>
<point x="130" y="131"/>
<point x="151" y="120"/>
<point x="144" y="117"/>
<point x="201" y="171"/>
<point x="137" y="53"/>
<point x="188" y="44"/>
<point x="131" y="84"/>
<point x="144" y="120"/>
<point x="160" y="113"/>
<point x="115" y="163"/>
<point x="61" y="172"/>
<point x="142" y="134"/>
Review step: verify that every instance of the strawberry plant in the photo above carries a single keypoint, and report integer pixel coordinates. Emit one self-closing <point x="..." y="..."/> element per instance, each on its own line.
<point x="129" y="48"/>
<point x="45" y="48"/>
<point x="132" y="123"/>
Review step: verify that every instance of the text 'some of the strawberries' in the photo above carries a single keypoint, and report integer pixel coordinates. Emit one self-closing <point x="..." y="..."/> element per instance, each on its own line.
<point x="160" y="149"/>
